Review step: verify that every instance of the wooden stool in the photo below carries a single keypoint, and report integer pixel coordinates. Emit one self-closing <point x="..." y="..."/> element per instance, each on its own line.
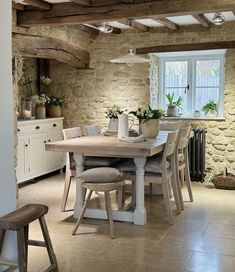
<point x="101" y="179"/>
<point x="19" y="221"/>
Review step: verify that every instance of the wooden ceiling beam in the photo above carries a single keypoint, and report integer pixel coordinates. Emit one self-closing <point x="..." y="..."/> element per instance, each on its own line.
<point x="40" y="4"/>
<point x="186" y="47"/>
<point x="167" y="23"/>
<point x="17" y="6"/>
<point x="50" y="48"/>
<point x="70" y="13"/>
<point x="85" y="3"/>
<point x="202" y="20"/>
<point x="134" y="24"/>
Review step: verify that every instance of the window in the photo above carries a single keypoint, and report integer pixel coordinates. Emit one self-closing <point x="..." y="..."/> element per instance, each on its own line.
<point x="197" y="77"/>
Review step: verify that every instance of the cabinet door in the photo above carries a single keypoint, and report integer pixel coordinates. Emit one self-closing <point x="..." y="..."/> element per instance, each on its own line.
<point x="54" y="159"/>
<point x="37" y="153"/>
<point x="22" y="168"/>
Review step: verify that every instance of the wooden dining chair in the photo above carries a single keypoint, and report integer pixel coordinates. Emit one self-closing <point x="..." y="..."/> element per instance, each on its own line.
<point x="160" y="169"/>
<point x="182" y="165"/>
<point x="92" y="130"/>
<point x="89" y="162"/>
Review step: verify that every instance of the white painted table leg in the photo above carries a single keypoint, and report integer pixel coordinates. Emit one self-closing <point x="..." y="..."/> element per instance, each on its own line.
<point x="79" y="189"/>
<point x="140" y="213"/>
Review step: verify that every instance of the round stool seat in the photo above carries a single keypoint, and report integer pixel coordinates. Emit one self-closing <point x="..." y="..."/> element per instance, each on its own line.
<point x="101" y="175"/>
<point x="22" y="216"/>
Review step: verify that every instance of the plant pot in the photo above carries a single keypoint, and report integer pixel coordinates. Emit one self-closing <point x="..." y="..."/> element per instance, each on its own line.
<point x="172" y="111"/>
<point x="54" y="111"/>
<point x="211" y="114"/>
<point x="113" y="124"/>
<point x="40" y="111"/>
<point x="150" y="128"/>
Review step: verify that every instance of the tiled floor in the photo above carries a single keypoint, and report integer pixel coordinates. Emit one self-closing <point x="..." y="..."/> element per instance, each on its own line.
<point x="201" y="239"/>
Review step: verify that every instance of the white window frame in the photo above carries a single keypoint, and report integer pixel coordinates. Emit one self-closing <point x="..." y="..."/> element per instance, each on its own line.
<point x="191" y="57"/>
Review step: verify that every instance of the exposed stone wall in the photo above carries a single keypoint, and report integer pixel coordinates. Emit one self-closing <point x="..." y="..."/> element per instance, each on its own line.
<point x="90" y="92"/>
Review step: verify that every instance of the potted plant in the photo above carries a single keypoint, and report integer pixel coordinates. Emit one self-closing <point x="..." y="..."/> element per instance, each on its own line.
<point x="173" y="106"/>
<point x="55" y="104"/>
<point x="40" y="101"/>
<point x="148" y="121"/>
<point x="210" y="109"/>
<point x="112" y="113"/>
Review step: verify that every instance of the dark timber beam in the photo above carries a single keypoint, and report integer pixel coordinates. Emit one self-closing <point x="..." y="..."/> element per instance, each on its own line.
<point x="202" y="20"/>
<point x="40" y="4"/>
<point x="167" y="23"/>
<point x="186" y="47"/>
<point x="50" y="48"/>
<point x="17" y="6"/>
<point x="71" y="13"/>
<point x="134" y="24"/>
<point x="85" y="3"/>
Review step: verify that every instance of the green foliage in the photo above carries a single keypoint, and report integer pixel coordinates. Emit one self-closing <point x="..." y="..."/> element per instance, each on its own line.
<point x="112" y="112"/>
<point x="26" y="81"/>
<point x="56" y="100"/>
<point x="210" y="106"/>
<point x="177" y="103"/>
<point x="146" y="114"/>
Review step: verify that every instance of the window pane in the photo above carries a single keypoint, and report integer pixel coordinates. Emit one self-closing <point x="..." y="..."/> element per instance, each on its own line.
<point x="207" y="73"/>
<point x="176" y="74"/>
<point x="177" y="93"/>
<point x="203" y="95"/>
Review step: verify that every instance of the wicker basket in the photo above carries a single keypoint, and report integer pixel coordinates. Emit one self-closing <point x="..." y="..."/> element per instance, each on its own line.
<point x="224" y="182"/>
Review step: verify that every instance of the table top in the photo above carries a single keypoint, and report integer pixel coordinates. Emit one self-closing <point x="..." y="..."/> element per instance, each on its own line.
<point x="110" y="146"/>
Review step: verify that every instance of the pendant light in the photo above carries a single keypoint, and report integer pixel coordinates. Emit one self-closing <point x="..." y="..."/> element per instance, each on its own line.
<point x="218" y="19"/>
<point x="130" y="58"/>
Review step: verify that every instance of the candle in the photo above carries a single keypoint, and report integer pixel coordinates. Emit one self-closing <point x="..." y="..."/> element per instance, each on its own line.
<point x="27" y="114"/>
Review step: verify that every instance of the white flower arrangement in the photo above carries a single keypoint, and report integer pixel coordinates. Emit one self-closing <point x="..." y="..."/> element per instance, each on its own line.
<point x="40" y="99"/>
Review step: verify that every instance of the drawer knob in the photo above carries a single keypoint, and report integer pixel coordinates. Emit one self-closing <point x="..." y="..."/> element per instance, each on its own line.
<point x="26" y="145"/>
<point x="54" y="125"/>
<point x="45" y="142"/>
<point x="49" y="141"/>
<point x="37" y="127"/>
<point x="18" y="130"/>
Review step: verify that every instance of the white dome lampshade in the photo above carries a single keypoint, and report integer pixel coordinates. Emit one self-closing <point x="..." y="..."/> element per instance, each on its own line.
<point x="130" y="59"/>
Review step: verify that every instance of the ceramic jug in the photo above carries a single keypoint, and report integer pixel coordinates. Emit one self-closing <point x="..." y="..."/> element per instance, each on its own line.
<point x="123" y="130"/>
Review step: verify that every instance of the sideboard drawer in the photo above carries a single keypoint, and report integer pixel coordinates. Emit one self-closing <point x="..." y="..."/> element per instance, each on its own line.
<point x="57" y="124"/>
<point x="34" y="128"/>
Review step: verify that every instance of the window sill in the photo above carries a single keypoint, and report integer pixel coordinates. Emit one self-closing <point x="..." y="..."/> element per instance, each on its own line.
<point x="201" y="118"/>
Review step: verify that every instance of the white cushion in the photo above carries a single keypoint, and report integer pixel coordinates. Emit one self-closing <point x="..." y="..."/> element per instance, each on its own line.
<point x="100" y="161"/>
<point x="101" y="175"/>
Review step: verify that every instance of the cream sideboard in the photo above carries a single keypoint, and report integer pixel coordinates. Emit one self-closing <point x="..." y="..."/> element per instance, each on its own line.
<point x="32" y="159"/>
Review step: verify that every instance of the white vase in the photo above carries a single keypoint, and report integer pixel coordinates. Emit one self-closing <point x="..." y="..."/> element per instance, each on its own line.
<point x="150" y="128"/>
<point x="211" y="114"/>
<point x="113" y="124"/>
<point x="172" y="111"/>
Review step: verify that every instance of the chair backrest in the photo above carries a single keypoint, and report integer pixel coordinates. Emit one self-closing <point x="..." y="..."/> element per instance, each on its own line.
<point x="92" y="130"/>
<point x="170" y="145"/>
<point x="70" y="133"/>
<point x="171" y="125"/>
<point x="183" y="138"/>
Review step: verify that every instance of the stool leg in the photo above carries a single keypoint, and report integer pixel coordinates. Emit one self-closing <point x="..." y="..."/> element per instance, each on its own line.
<point x="66" y="190"/>
<point x="109" y="213"/>
<point x="2" y="237"/>
<point x="21" y="250"/>
<point x="26" y="238"/>
<point x="48" y="243"/>
<point x="82" y="212"/>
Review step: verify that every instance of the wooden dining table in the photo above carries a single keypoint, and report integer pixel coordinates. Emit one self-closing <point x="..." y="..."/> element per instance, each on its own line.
<point x="104" y="146"/>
